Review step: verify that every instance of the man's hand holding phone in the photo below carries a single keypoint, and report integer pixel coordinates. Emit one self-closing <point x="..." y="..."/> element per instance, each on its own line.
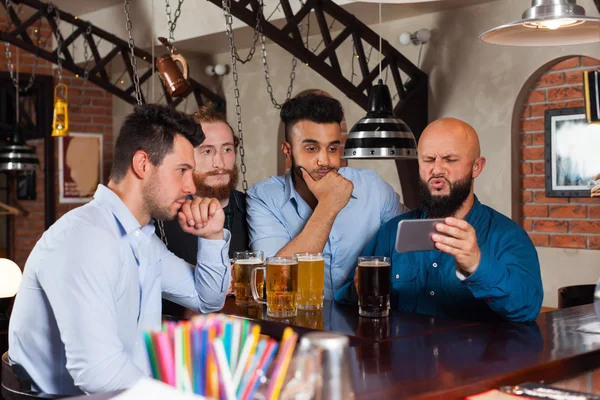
<point x="458" y="238"/>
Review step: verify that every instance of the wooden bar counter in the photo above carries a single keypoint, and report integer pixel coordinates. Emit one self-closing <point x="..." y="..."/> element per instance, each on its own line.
<point x="420" y="357"/>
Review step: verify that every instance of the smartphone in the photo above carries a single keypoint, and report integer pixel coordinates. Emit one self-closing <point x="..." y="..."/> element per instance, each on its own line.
<point x="415" y="235"/>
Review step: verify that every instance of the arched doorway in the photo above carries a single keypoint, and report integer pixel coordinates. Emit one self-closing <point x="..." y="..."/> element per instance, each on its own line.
<point x="563" y="222"/>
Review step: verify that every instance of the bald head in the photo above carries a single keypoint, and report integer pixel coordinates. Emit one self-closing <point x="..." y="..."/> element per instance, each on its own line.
<point x="449" y="161"/>
<point x="452" y="135"/>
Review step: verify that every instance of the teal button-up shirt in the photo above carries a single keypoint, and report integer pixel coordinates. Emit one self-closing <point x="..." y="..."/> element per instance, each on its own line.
<point x="507" y="284"/>
<point x="277" y="214"/>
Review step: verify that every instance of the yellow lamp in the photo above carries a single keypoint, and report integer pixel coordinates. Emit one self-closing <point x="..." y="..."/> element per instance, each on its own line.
<point x="60" y="122"/>
<point x="10" y="278"/>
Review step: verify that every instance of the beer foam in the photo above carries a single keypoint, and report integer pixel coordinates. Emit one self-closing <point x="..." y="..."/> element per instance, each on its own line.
<point x="249" y="261"/>
<point x="282" y="262"/>
<point x="311" y="258"/>
<point x="374" y="263"/>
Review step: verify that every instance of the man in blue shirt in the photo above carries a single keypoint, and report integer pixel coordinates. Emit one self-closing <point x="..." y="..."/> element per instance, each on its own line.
<point x="318" y="206"/>
<point x="484" y="267"/>
<point x="93" y="282"/>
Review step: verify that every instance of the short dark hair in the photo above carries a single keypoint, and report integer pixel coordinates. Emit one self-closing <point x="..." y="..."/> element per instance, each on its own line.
<point x="314" y="107"/>
<point x="152" y="128"/>
<point x="208" y="115"/>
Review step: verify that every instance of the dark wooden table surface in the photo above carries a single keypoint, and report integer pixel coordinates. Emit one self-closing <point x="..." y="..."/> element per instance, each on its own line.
<point x="417" y="356"/>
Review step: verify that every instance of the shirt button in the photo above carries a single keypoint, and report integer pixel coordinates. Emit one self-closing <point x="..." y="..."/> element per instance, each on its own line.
<point x="137" y="233"/>
<point x="432" y="293"/>
<point x="434" y="265"/>
<point x="397" y="276"/>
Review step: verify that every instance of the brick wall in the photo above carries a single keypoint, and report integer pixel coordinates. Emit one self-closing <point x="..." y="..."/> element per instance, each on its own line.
<point x="560" y="221"/>
<point x="93" y="116"/>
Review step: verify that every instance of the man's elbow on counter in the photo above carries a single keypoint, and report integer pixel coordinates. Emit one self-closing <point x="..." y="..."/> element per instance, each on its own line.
<point x="528" y="312"/>
<point x="213" y="304"/>
<point x="91" y="381"/>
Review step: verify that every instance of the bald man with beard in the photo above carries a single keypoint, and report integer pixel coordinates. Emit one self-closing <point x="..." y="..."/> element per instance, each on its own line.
<point x="484" y="266"/>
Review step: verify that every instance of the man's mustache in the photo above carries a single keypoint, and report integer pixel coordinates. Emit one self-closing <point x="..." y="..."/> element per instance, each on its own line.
<point x="218" y="172"/>
<point x="438" y="177"/>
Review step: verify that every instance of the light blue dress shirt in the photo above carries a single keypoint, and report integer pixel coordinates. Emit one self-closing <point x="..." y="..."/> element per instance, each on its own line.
<point x="277" y="214"/>
<point x="92" y="285"/>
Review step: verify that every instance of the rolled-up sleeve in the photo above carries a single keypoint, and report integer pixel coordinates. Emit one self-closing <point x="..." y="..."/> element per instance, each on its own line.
<point x="80" y="287"/>
<point x="202" y="287"/>
<point x="267" y="232"/>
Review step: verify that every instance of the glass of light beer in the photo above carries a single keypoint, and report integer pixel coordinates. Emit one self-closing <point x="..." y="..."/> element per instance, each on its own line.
<point x="282" y="286"/>
<point x="243" y="264"/>
<point x="311" y="280"/>
<point x="373" y="286"/>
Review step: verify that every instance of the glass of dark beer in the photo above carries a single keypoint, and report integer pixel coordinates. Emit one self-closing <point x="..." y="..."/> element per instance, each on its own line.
<point x="374" y="286"/>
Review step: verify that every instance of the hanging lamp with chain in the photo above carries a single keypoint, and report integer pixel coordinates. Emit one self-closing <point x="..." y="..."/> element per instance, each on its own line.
<point x="15" y="155"/>
<point x="380" y="135"/>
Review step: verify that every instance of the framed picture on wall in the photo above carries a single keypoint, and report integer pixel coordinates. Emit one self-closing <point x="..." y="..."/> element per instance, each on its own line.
<point x="572" y="152"/>
<point x="79" y="166"/>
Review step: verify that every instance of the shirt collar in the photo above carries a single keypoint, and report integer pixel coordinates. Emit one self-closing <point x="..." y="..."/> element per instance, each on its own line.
<point x="474" y="213"/>
<point x="291" y="193"/>
<point x="122" y="214"/>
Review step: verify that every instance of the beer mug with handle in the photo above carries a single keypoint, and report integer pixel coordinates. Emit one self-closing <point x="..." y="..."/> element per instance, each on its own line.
<point x="243" y="264"/>
<point x="174" y="79"/>
<point x="282" y="286"/>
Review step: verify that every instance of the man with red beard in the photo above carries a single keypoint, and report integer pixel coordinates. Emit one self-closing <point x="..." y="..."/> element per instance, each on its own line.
<point x="215" y="176"/>
<point x="484" y="266"/>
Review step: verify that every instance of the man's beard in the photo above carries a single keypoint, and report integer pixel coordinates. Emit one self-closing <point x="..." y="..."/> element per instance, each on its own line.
<point x="152" y="194"/>
<point x="297" y="171"/>
<point x="220" y="192"/>
<point x="442" y="206"/>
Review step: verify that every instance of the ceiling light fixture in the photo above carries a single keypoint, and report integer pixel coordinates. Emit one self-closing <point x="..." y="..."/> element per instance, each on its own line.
<point x="547" y="23"/>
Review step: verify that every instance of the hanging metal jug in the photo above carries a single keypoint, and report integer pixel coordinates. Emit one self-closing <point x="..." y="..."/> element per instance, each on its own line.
<point x="60" y="121"/>
<point x="174" y="79"/>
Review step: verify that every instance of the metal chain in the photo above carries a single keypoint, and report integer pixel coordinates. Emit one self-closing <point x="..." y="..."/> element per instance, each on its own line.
<point x="58" y="36"/>
<point x="174" y="23"/>
<point x="288" y="95"/>
<point x="236" y="89"/>
<point x="86" y="57"/>
<point x="354" y="56"/>
<point x="136" y="78"/>
<point x="226" y="4"/>
<point x="263" y="51"/>
<point x="8" y="53"/>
